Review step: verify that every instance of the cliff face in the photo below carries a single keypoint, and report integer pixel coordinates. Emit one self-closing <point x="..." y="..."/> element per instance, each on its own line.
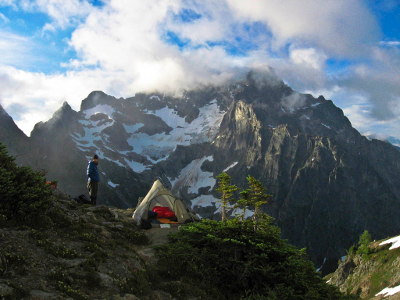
<point x="328" y="182"/>
<point x="17" y="142"/>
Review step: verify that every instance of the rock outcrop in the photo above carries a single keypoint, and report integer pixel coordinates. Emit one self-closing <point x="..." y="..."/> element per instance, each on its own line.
<point x="372" y="276"/>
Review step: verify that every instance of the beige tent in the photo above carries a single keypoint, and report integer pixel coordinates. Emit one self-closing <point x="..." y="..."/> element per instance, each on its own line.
<point x="161" y="196"/>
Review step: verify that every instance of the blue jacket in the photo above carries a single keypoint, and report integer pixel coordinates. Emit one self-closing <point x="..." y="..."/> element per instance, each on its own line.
<point x="92" y="172"/>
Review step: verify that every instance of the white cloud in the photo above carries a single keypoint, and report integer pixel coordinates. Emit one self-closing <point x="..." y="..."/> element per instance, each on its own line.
<point x="122" y="49"/>
<point x="15" y="49"/>
<point x="339" y="27"/>
<point x="213" y="25"/>
<point x="63" y="13"/>
<point x="128" y="36"/>
<point x="389" y="43"/>
<point x="4" y="18"/>
<point x="41" y="95"/>
<point x="308" y="58"/>
<point x="379" y="81"/>
<point x="8" y="3"/>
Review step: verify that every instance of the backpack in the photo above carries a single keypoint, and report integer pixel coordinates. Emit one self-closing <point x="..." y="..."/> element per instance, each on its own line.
<point x="82" y="199"/>
<point x="146" y="224"/>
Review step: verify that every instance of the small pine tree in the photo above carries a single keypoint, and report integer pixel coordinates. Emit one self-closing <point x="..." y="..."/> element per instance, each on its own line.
<point x="363" y="243"/>
<point x="258" y="197"/>
<point x="243" y="203"/>
<point x="226" y="189"/>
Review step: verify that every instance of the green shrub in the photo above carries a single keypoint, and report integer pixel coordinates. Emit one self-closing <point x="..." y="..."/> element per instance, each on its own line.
<point x="232" y="258"/>
<point x="22" y="191"/>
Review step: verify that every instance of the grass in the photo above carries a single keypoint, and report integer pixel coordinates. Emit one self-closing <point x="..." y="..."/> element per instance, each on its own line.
<point x="382" y="276"/>
<point x="382" y="270"/>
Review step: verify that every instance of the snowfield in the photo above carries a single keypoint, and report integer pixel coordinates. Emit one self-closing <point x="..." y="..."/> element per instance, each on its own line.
<point x="204" y="201"/>
<point x="101" y="108"/>
<point x="159" y="146"/>
<point x="194" y="178"/>
<point x="394" y="241"/>
<point x="389" y="291"/>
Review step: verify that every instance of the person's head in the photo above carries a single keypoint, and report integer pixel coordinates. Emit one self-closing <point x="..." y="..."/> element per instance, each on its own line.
<point x="96" y="158"/>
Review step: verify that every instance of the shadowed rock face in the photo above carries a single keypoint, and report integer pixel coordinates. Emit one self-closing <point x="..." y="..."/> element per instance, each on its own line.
<point x="328" y="182"/>
<point x="11" y="136"/>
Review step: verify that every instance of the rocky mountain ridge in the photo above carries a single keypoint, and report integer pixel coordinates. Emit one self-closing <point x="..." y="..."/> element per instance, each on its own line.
<point x="329" y="182"/>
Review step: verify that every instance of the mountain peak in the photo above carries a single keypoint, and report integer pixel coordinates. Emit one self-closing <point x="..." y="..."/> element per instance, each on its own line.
<point x="65" y="111"/>
<point x="66" y="105"/>
<point x="95" y="98"/>
<point x="3" y="113"/>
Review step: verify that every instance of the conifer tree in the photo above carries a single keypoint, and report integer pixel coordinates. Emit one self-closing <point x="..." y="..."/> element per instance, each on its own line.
<point x="22" y="190"/>
<point x="364" y="241"/>
<point x="243" y="203"/>
<point x="257" y="196"/>
<point x="226" y="189"/>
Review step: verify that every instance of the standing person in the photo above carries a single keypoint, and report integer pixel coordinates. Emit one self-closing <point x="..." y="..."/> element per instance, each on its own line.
<point x="93" y="179"/>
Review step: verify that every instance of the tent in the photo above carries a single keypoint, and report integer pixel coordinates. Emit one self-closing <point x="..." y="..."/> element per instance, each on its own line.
<point x="161" y="196"/>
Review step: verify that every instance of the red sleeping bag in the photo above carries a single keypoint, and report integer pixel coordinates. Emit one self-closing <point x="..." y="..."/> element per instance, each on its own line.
<point x="163" y="212"/>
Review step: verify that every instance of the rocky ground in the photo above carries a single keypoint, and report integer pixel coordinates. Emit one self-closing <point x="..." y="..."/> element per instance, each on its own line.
<point x="81" y="252"/>
<point x="369" y="274"/>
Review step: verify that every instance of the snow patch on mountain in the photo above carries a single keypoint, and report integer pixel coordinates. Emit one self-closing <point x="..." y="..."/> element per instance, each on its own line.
<point x="394" y="241"/>
<point x="230" y="167"/>
<point x="237" y="211"/>
<point x="135" y="166"/>
<point x="169" y="116"/>
<point x="204" y="201"/>
<point x="101" y="108"/>
<point x="92" y="133"/>
<point x="112" y="184"/>
<point x="389" y="291"/>
<point x="193" y="177"/>
<point x="132" y="128"/>
<point x="327" y="126"/>
<point x="158" y="147"/>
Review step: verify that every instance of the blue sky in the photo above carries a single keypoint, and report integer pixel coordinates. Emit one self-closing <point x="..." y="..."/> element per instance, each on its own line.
<point x="53" y="51"/>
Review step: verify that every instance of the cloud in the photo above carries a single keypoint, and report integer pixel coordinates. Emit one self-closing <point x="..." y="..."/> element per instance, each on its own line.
<point x="41" y="95"/>
<point x="293" y="101"/>
<point x="308" y="58"/>
<point x="63" y="13"/>
<point x="128" y="36"/>
<point x="15" y="49"/>
<point x="389" y="43"/>
<point x="379" y="82"/>
<point x="8" y="3"/>
<point x="339" y="27"/>
<point x="4" y="18"/>
<point x="125" y="46"/>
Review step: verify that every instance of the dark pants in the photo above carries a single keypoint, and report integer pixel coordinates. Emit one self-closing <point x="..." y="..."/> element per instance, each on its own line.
<point x="92" y="187"/>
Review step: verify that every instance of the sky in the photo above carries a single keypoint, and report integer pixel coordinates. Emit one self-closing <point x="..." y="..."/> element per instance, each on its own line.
<point x="53" y="51"/>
